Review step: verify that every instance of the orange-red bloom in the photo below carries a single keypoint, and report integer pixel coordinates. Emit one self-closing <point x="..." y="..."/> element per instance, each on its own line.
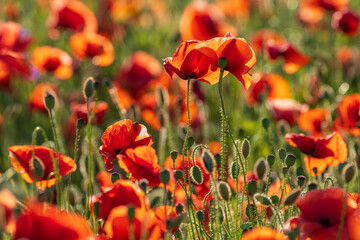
<point x="80" y="111"/>
<point x="104" y="179"/>
<point x="14" y="37"/>
<point x="141" y="162"/>
<point x="310" y="12"/>
<point x="349" y="117"/>
<point x="44" y="221"/>
<point x="345" y="21"/>
<point x="7" y="206"/>
<point x="12" y="62"/>
<point x="239" y="55"/>
<point x="36" y="98"/>
<point x="314" y="121"/>
<point x="263" y="233"/>
<point x="162" y="213"/>
<point x="234" y="8"/>
<point x="121" y="136"/>
<point x="22" y="161"/>
<point x="321" y="152"/>
<point x="94" y="46"/>
<point x="333" y="5"/>
<point x="55" y="60"/>
<point x="285" y="109"/>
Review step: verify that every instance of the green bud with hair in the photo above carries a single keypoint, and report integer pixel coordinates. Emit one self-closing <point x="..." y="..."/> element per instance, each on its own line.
<point x="285" y="170"/>
<point x="234" y="170"/>
<point x="312" y="186"/>
<point x="49" y="101"/>
<point x="217" y="158"/>
<point x="222" y="62"/>
<point x="174" y="154"/>
<point x="178" y="174"/>
<point x="200" y="216"/>
<point x="275" y="199"/>
<point x="292" y="196"/>
<point x="270" y="159"/>
<point x="250" y="208"/>
<point x="300" y="171"/>
<point x="190" y="142"/>
<point x="301" y="180"/>
<point x="208" y="160"/>
<point x="165" y="176"/>
<point x="115" y="177"/>
<point x="348" y="172"/>
<point x="80" y="123"/>
<point x="196" y="175"/>
<point x="89" y="88"/>
<point x="224" y="190"/>
<point x="290" y="160"/>
<point x="264" y="200"/>
<point x="265" y="123"/>
<point x="252" y="187"/>
<point x="245" y="148"/>
<point x="282" y="153"/>
<point x="260" y="168"/>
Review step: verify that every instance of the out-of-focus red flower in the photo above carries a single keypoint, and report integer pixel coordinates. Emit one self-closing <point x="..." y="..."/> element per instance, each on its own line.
<point x="150" y="117"/>
<point x="214" y="147"/>
<point x="141" y="162"/>
<point x="121" y="136"/>
<point x="314" y="121"/>
<point x="122" y="193"/>
<point x="22" y="161"/>
<point x="44" y="221"/>
<point x="232" y="182"/>
<point x="162" y="213"/>
<point x="234" y="8"/>
<point x="7" y="205"/>
<point x="80" y="111"/>
<point x="349" y="117"/>
<point x="239" y="55"/>
<point x="320" y="214"/>
<point x="263" y="233"/>
<point x="36" y="98"/>
<point x="123" y="11"/>
<point x="286" y="109"/>
<point x="201" y="21"/>
<point x="70" y="14"/>
<point x="14" y="37"/>
<point x="11" y="10"/>
<point x="345" y="21"/>
<point x="55" y="60"/>
<point x="137" y="71"/>
<point x="276" y="188"/>
<point x="12" y="63"/>
<point x="94" y="46"/>
<point x="291" y="224"/>
<point x="260" y="37"/>
<point x="272" y="85"/>
<point x="333" y="5"/>
<point x="321" y="152"/>
<point x="104" y="179"/>
<point x="355" y="196"/>
<point x="145" y="226"/>
<point x="310" y="12"/>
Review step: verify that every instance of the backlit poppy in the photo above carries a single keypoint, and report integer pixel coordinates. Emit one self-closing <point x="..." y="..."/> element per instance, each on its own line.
<point x="314" y="121"/>
<point x="7" y="206"/>
<point x="36" y="98"/>
<point x="94" y="46"/>
<point x="333" y="5"/>
<point x="80" y="111"/>
<point x="310" y="12"/>
<point x="14" y="37"/>
<point x="201" y="21"/>
<point x="239" y="55"/>
<point x="162" y="213"/>
<point x="345" y="21"/>
<point x="104" y="179"/>
<point x="12" y="63"/>
<point x="260" y="37"/>
<point x="141" y="162"/>
<point x="123" y="11"/>
<point x="285" y="109"/>
<point x="54" y="60"/>
<point x="122" y="193"/>
<point x="44" y="221"/>
<point x="320" y="214"/>
<point x="349" y="117"/>
<point x="321" y="152"/>
<point x="355" y="196"/>
<point x="121" y="136"/>
<point x="23" y="162"/>
<point x="234" y="8"/>
<point x="263" y="233"/>
<point x="144" y="224"/>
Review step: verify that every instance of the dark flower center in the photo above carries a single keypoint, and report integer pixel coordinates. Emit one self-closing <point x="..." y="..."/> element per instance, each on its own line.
<point x="325" y="221"/>
<point x="117" y="151"/>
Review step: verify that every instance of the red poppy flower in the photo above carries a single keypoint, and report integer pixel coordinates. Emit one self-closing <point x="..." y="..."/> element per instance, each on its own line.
<point x="272" y="85"/>
<point x="150" y="117"/>
<point x="44" y="221"/>
<point x="22" y="161"/>
<point x="162" y="213"/>
<point x="187" y="62"/>
<point x="104" y="179"/>
<point x="355" y="196"/>
<point x="144" y="225"/>
<point x="124" y="11"/>
<point x="310" y="12"/>
<point x="121" y="136"/>
<point x="141" y="162"/>
<point x="70" y="14"/>
<point x="276" y="188"/>
<point x="50" y="59"/>
<point x="94" y="46"/>
<point x="320" y="214"/>
<point x="345" y="21"/>
<point x="349" y="117"/>
<point x="36" y="98"/>
<point x="291" y="224"/>
<point x="285" y="109"/>
<point x="10" y="63"/>
<point x="232" y="182"/>
<point x="7" y="206"/>
<point x="321" y="152"/>
<point x="239" y="55"/>
<point x="123" y="193"/>
<point x="260" y="37"/>
<point x="333" y="5"/>
<point x="314" y="121"/>
<point x="80" y="111"/>
<point x="14" y="37"/>
<point x="263" y="233"/>
<point x="201" y="21"/>
<point x="234" y="8"/>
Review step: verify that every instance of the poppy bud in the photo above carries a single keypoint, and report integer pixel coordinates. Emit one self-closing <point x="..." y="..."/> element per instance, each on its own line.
<point x="143" y="183"/>
<point x="217" y="158"/>
<point x="283" y="127"/>
<point x="49" y="101"/>
<point x="348" y="172"/>
<point x="115" y="177"/>
<point x="260" y="168"/>
<point x="97" y="85"/>
<point x="131" y="213"/>
<point x="80" y="123"/>
<point x="264" y="200"/>
<point x="275" y="199"/>
<point x="270" y="159"/>
<point x="37" y="168"/>
<point x="200" y="216"/>
<point x="178" y="174"/>
<point x="224" y="190"/>
<point x="162" y="97"/>
<point x="285" y="170"/>
<point x="222" y="63"/>
<point x="175" y="222"/>
<point x="89" y="88"/>
<point x="301" y="180"/>
<point x="108" y="83"/>
<point x="245" y="148"/>
<point x="290" y="160"/>
<point x="300" y="171"/>
<point x="174" y="154"/>
<point x="234" y="170"/>
<point x="265" y="123"/>
<point x="208" y="160"/>
<point x="190" y="142"/>
<point x="252" y="187"/>
<point x="179" y="208"/>
<point x="312" y="186"/>
<point x="196" y="175"/>
<point x="292" y="196"/>
<point x="252" y="208"/>
<point x="282" y="153"/>
<point x="96" y="209"/>
<point x="165" y="176"/>
<point x="221" y="214"/>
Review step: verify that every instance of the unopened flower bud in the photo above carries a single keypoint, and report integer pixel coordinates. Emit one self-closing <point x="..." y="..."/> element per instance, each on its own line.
<point x="290" y="160"/>
<point x="222" y="63"/>
<point x="165" y="176"/>
<point x="245" y="148"/>
<point x="348" y="172"/>
<point x="174" y="154"/>
<point x="265" y="123"/>
<point x="196" y="175"/>
<point x="300" y="171"/>
<point x="275" y="199"/>
<point x="200" y="216"/>
<point x="37" y="168"/>
<point x="260" y="168"/>
<point x="190" y="142"/>
<point x="282" y="153"/>
<point x="179" y="208"/>
<point x="234" y="170"/>
<point x="252" y="187"/>
<point x="217" y="158"/>
<point x="80" y="123"/>
<point x="292" y="196"/>
<point x="301" y="180"/>
<point x="89" y="88"/>
<point x="208" y="160"/>
<point x="224" y="190"/>
<point x="178" y="174"/>
<point x="285" y="170"/>
<point x="264" y="200"/>
<point x="312" y="186"/>
<point x="270" y="159"/>
<point x="49" y="101"/>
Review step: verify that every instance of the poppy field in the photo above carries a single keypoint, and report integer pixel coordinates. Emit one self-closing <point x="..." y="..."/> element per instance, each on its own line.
<point x="170" y="119"/>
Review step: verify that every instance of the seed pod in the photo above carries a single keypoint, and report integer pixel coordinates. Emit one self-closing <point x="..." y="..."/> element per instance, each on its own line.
<point x="179" y="208"/>
<point x="200" y="216"/>
<point x="301" y="180"/>
<point x="234" y="170"/>
<point x="190" y="142"/>
<point x="49" y="101"/>
<point x="114" y="177"/>
<point x="208" y="160"/>
<point x="300" y="171"/>
<point x="290" y="160"/>
<point x="89" y="88"/>
<point x="143" y="183"/>
<point x="178" y="174"/>
<point x="174" y="154"/>
<point x="285" y="170"/>
<point x="275" y="199"/>
<point x="270" y="159"/>
<point x="252" y="208"/>
<point x="80" y="123"/>
<point x="348" y="172"/>
<point x="224" y="190"/>
<point x="265" y="123"/>
<point x="37" y="168"/>
<point x="252" y="187"/>
<point x="312" y="186"/>
<point x="292" y="196"/>
<point x="260" y="168"/>
<point x="245" y="148"/>
<point x="282" y="153"/>
<point x="196" y="175"/>
<point x="131" y="213"/>
<point x="222" y="63"/>
<point x="165" y="176"/>
<point x="264" y="200"/>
